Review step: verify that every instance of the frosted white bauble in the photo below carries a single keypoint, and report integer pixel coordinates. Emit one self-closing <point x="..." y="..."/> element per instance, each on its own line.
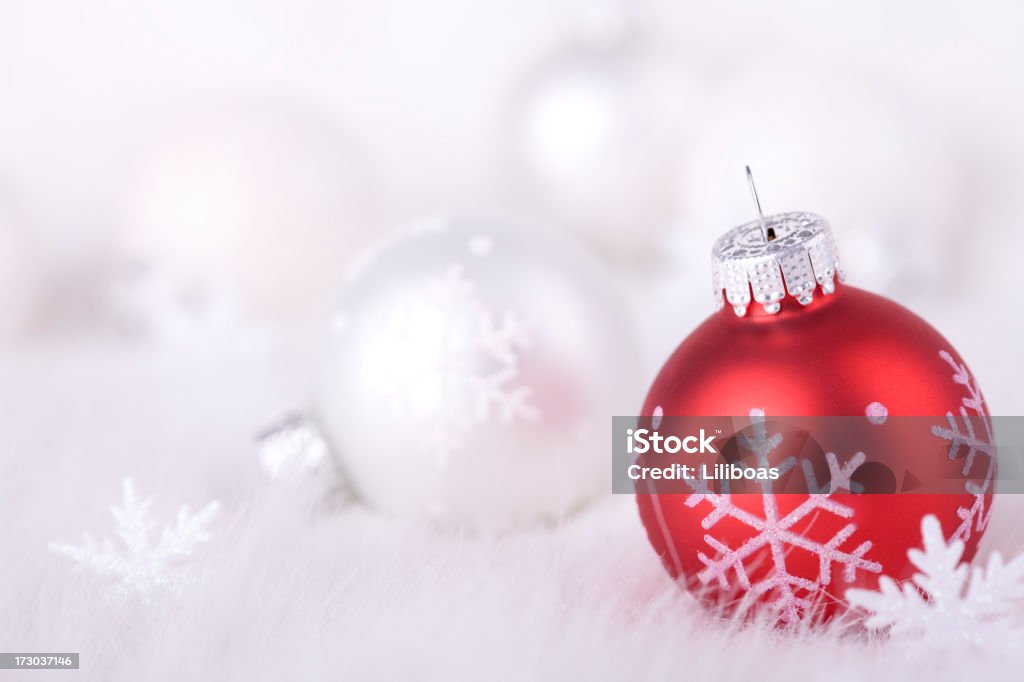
<point x="259" y="201"/>
<point x="821" y="136"/>
<point x="469" y="374"/>
<point x="592" y="141"/>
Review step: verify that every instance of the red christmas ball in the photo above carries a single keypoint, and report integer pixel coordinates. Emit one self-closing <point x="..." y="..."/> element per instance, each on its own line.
<point x="839" y="351"/>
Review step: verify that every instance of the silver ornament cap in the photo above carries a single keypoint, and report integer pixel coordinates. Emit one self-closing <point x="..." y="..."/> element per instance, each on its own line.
<point x="776" y="255"/>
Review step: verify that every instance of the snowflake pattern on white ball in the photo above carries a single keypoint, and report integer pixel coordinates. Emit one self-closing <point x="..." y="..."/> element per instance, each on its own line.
<point x="980" y="453"/>
<point x="445" y="359"/>
<point x="790" y="595"/>
<point x="139" y="564"/>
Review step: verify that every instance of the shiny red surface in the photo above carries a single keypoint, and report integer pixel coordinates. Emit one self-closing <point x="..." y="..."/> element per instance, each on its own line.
<point x="834" y="357"/>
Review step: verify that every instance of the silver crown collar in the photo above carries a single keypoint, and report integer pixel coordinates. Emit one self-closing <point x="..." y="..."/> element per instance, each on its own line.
<point x="801" y="256"/>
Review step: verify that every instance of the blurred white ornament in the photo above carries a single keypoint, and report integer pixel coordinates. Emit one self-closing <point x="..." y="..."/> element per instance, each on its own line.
<point x="260" y="201"/>
<point x="469" y="374"/>
<point x="20" y="275"/>
<point x="170" y="308"/>
<point x="874" y="160"/>
<point x="593" y="134"/>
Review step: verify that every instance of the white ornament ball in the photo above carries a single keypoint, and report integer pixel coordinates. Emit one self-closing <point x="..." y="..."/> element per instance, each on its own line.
<point x="592" y="141"/>
<point x="872" y="159"/>
<point x="20" y="275"/>
<point x="261" y="202"/>
<point x="469" y="374"/>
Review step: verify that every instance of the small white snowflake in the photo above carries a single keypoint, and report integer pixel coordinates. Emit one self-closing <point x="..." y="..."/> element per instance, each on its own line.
<point x="947" y="605"/>
<point x="138" y="563"/>
<point x="791" y="594"/>
<point x="976" y="516"/>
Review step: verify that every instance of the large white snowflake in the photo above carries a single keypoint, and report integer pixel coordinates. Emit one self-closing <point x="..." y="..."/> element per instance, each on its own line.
<point x="947" y="605"/>
<point x="139" y="563"/>
<point x="446" y="359"/>
<point x="791" y="595"/>
<point x="973" y="444"/>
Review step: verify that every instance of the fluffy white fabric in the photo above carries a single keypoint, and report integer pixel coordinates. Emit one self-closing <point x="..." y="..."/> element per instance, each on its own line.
<point x="288" y="591"/>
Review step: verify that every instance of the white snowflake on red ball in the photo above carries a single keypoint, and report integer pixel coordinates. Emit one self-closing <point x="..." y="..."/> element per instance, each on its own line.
<point x="791" y="594"/>
<point x="141" y="563"/>
<point x="948" y="605"/>
<point x="976" y="516"/>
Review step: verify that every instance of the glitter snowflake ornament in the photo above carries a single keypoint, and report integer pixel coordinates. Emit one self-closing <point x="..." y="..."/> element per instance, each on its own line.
<point x="142" y="561"/>
<point x="468" y="373"/>
<point x="791" y="339"/>
<point x="948" y="605"/>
